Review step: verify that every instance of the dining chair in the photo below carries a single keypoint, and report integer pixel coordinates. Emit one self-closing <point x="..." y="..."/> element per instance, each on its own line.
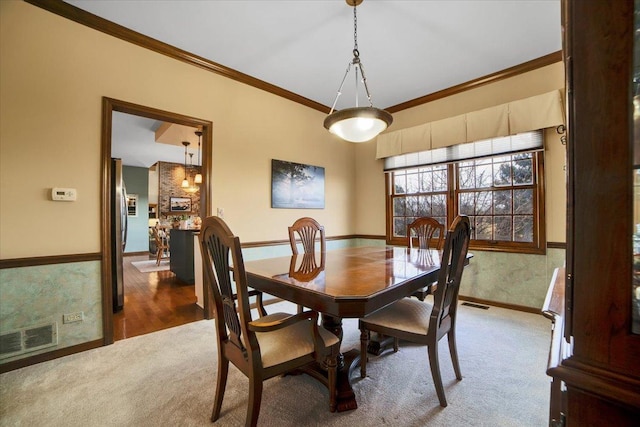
<point x="271" y="345"/>
<point x="307" y="230"/>
<point x="429" y="234"/>
<point x="421" y="322"/>
<point x="162" y="244"/>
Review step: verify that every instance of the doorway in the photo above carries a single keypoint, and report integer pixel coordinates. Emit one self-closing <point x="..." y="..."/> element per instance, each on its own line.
<point x="160" y="279"/>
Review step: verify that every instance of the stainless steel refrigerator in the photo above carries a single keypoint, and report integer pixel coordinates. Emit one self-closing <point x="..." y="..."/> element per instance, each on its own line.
<point x="119" y="232"/>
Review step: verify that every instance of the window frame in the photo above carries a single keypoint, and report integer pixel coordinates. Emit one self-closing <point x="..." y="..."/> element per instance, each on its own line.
<point x="537" y="246"/>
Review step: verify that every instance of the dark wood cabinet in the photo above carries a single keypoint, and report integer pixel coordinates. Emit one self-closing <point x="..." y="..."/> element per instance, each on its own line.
<point x="182" y="254"/>
<point x="600" y="368"/>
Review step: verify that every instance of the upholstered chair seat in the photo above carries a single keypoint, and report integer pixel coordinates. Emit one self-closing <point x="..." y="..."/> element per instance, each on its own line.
<point x="409" y="315"/>
<point x="288" y="343"/>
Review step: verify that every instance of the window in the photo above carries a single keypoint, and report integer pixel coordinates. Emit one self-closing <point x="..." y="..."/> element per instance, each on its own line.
<point x="502" y="195"/>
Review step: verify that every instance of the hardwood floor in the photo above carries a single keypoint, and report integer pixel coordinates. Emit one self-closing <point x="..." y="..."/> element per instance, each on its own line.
<point x="153" y="301"/>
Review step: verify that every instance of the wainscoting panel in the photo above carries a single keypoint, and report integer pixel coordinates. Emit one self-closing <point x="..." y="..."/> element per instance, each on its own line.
<point x="44" y="294"/>
<point x="509" y="278"/>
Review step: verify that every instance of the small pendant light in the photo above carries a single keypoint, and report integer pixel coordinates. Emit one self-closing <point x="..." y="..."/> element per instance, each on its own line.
<point x="198" y="178"/>
<point x="185" y="181"/>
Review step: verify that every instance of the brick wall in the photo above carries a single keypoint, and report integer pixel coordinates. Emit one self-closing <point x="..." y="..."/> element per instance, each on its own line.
<point x="170" y="176"/>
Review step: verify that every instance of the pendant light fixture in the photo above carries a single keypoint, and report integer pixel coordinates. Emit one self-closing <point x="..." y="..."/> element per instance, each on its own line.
<point x="198" y="178"/>
<point x="185" y="181"/>
<point x="357" y="124"/>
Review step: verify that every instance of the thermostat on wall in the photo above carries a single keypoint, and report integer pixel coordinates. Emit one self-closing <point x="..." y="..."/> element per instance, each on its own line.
<point x="63" y="194"/>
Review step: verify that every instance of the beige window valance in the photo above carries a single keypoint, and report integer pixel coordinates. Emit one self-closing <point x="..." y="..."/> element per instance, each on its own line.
<point x="537" y="112"/>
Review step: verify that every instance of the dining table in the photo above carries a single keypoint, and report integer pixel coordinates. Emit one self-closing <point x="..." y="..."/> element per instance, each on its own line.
<point x="351" y="282"/>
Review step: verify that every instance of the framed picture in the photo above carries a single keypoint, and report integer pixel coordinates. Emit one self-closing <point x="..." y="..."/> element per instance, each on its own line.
<point x="296" y="186"/>
<point x="180" y="204"/>
<point x="132" y="205"/>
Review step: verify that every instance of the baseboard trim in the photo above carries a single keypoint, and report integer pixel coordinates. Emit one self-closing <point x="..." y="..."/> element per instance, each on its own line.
<point x="44" y="357"/>
<point x="39" y="358"/>
<point x="501" y="304"/>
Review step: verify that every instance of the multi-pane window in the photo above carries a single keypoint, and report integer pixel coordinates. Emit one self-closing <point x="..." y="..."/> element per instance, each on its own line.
<point x="502" y="196"/>
<point x="419" y="192"/>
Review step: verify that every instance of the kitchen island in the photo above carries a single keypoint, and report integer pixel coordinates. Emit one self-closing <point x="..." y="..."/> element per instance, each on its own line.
<point x="181" y="263"/>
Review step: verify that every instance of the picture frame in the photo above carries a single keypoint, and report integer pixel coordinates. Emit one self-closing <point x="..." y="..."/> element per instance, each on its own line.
<point x="132" y="205"/>
<point x="296" y="185"/>
<point x="180" y="204"/>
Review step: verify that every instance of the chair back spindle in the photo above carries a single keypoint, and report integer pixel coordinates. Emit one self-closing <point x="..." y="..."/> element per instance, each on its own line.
<point x="426" y="229"/>
<point x="430" y="234"/>
<point x="452" y="265"/>
<point x="307" y="228"/>
<point x="220" y="253"/>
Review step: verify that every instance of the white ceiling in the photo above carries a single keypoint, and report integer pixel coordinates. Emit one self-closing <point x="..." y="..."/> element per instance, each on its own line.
<point x="133" y="139"/>
<point x="409" y="48"/>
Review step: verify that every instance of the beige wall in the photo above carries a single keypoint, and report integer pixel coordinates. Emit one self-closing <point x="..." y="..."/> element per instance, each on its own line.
<point x="54" y="75"/>
<point x="55" y="72"/>
<point x="370" y="180"/>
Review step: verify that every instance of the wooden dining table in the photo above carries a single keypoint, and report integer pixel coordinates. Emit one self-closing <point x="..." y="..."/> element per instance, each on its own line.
<point x="347" y="283"/>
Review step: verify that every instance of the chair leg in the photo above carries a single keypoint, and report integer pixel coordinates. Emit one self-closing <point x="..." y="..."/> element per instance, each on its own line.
<point x="435" y="373"/>
<point x="364" y="343"/>
<point x="255" y="398"/>
<point x="453" y="350"/>
<point x="396" y="344"/>
<point x="159" y="256"/>
<point x="223" y="370"/>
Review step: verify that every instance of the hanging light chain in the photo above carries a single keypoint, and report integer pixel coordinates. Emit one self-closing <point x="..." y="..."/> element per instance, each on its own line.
<point x="355" y="30"/>
<point x="357" y="65"/>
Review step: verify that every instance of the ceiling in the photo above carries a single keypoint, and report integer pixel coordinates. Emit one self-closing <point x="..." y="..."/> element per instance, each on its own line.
<point x="135" y="141"/>
<point x="408" y="48"/>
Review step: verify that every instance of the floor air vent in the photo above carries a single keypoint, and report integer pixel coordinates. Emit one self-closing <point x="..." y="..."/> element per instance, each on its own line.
<point x="470" y="304"/>
<point x="28" y="339"/>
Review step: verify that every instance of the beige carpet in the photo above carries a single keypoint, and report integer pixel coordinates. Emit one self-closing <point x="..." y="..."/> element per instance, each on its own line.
<point x="151" y="266"/>
<point x="167" y="379"/>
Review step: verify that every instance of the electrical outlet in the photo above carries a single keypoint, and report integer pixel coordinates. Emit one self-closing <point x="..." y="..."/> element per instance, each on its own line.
<point x="73" y="317"/>
<point x="221" y="212"/>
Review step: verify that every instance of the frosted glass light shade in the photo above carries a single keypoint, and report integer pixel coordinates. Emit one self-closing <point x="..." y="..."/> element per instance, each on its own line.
<point x="198" y="178"/>
<point x="358" y="124"/>
<point x="185" y="183"/>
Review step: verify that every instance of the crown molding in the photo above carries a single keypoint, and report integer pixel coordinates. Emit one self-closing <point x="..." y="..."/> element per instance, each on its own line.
<point x="534" y="64"/>
<point x="90" y="20"/>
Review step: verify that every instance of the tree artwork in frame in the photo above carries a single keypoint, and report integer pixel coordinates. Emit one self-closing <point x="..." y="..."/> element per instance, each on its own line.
<point x="180" y="204"/>
<point x="296" y="186"/>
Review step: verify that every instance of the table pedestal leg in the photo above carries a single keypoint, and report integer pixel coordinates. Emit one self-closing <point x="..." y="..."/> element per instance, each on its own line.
<point x="346" y="398"/>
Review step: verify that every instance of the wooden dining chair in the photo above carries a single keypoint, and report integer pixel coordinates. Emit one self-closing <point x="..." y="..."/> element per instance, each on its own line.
<point x="162" y="244"/>
<point x="428" y="233"/>
<point x="307" y="230"/>
<point x="265" y="347"/>
<point x="421" y="322"/>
